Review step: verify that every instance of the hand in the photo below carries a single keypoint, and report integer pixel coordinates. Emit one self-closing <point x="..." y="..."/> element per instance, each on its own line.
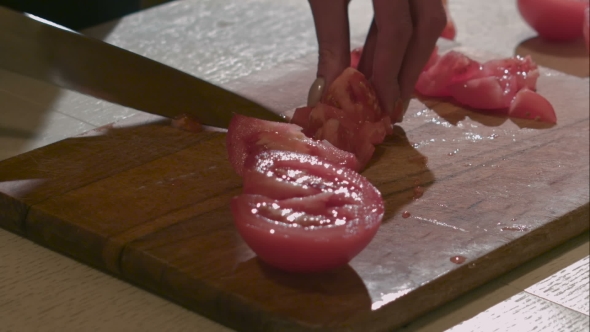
<point x="401" y="38"/>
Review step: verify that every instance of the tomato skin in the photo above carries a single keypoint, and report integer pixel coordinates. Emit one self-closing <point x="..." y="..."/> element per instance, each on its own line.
<point x="246" y="136"/>
<point x="302" y="214"/>
<point x="295" y="249"/>
<point x="554" y="20"/>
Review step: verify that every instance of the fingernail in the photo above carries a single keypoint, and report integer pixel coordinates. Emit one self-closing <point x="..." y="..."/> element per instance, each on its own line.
<point x="315" y="91"/>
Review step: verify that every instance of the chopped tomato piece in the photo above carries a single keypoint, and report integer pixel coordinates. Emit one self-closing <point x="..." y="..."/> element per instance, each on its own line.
<point x="248" y="136"/>
<point x="528" y="104"/>
<point x="302" y="214"/>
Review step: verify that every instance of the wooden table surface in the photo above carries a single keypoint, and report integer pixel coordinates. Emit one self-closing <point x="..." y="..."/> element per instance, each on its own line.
<point x="45" y="291"/>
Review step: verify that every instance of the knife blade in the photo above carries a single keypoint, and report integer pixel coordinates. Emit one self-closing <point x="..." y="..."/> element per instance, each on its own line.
<point x="48" y="52"/>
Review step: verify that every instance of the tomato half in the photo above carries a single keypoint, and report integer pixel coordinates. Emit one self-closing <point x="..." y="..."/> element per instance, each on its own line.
<point x="246" y="136"/>
<point x="554" y="20"/>
<point x="302" y="214"/>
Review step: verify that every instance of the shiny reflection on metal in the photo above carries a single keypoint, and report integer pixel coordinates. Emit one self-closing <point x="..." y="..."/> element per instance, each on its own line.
<point x="76" y="62"/>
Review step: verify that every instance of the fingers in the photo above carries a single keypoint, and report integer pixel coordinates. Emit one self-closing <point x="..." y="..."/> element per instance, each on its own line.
<point x="429" y="20"/>
<point x="394" y="31"/>
<point x="332" y="30"/>
<point x="365" y="65"/>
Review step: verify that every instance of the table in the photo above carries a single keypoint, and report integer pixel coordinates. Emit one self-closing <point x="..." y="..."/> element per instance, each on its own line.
<point x="45" y="291"/>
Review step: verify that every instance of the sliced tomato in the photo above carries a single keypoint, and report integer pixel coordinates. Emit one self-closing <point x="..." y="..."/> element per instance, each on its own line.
<point x="486" y="93"/>
<point x="528" y="104"/>
<point x="554" y="20"/>
<point x="348" y="116"/>
<point x="352" y="93"/>
<point x="248" y="136"/>
<point x="451" y="68"/>
<point x="524" y="69"/>
<point x="302" y="214"/>
<point x="301" y="116"/>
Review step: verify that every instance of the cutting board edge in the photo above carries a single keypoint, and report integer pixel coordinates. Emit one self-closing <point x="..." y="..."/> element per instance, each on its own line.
<point x="387" y="317"/>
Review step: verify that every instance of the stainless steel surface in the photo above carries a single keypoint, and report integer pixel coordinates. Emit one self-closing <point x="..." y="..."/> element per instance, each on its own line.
<point x="92" y="67"/>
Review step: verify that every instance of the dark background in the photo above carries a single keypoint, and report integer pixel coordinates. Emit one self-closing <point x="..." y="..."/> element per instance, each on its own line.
<point x="79" y="14"/>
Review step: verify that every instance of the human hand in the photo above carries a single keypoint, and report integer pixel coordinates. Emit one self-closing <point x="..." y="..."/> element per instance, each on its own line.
<point x="401" y="38"/>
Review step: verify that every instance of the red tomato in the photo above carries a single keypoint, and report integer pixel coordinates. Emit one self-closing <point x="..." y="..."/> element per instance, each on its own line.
<point x="555" y="20"/>
<point x="301" y="214"/>
<point x="528" y="104"/>
<point x="348" y="116"/>
<point x="246" y="136"/>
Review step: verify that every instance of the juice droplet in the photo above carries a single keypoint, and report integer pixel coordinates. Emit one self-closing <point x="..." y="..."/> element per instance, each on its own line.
<point x="458" y="259"/>
<point x="418" y="192"/>
<point x="406" y="214"/>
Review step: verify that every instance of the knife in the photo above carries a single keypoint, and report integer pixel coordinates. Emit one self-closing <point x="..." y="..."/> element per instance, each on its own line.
<point x="37" y="48"/>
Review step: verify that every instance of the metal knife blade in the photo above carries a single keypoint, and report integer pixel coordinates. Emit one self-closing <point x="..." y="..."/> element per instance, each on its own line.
<point x="68" y="59"/>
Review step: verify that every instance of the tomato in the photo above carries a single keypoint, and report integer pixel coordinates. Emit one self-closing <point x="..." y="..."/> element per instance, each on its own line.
<point x="451" y="68"/>
<point x="528" y="104"/>
<point x="554" y="20"/>
<point x="246" y="136"/>
<point x="302" y="214"/>
<point x="486" y="93"/>
<point x="348" y="116"/>
<point x="352" y="93"/>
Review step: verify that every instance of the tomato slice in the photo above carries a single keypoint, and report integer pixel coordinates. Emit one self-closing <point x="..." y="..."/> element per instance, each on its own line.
<point x="451" y="68"/>
<point x="302" y="214"/>
<point x="528" y="104"/>
<point x="246" y="136"/>
<point x="554" y="20"/>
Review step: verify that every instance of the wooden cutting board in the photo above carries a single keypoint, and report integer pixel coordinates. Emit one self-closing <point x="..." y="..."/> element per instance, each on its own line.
<point x="149" y="203"/>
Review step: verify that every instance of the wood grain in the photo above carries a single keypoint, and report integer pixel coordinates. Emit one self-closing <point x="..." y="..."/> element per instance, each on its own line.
<point x="522" y="313"/>
<point x="163" y="222"/>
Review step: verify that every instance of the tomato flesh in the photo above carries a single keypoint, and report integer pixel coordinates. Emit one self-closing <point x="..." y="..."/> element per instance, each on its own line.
<point x="248" y="136"/>
<point x="554" y="20"/>
<point x="302" y="214"/>
<point x="528" y="104"/>
<point x="348" y="116"/>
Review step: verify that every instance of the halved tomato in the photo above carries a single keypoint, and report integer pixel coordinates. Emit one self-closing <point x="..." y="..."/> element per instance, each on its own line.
<point x="302" y="214"/>
<point x="246" y="136"/>
<point x="554" y="20"/>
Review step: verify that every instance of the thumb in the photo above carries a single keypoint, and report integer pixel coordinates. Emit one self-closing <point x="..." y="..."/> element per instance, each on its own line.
<point x="332" y="30"/>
